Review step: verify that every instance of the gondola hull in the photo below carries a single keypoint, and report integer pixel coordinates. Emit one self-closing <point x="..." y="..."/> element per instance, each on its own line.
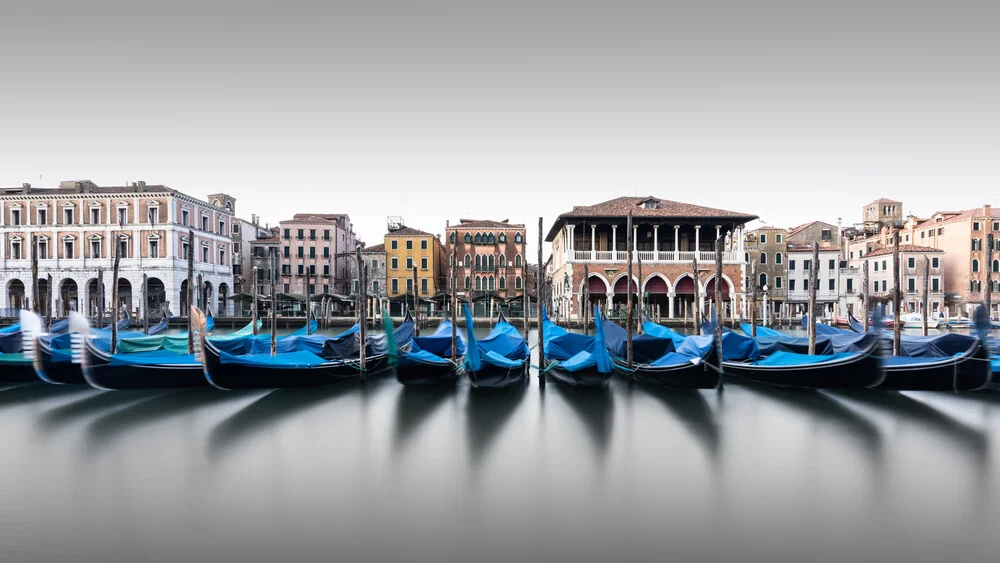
<point x="968" y="372"/>
<point x="418" y="373"/>
<point x="702" y="374"/>
<point x="59" y="372"/>
<point x="20" y="371"/>
<point x="240" y="376"/>
<point x="859" y="371"/>
<point x="100" y="372"/>
<point x="491" y="376"/>
<point x="588" y="377"/>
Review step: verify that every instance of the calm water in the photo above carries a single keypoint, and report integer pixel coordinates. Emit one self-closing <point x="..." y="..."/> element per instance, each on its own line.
<point x="381" y="472"/>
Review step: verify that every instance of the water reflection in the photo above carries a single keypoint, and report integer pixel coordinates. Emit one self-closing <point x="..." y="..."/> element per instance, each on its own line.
<point x="415" y="405"/>
<point x="487" y="412"/>
<point x="95" y="403"/>
<point x="593" y="408"/>
<point x="691" y="408"/>
<point x="30" y="392"/>
<point x="263" y="413"/>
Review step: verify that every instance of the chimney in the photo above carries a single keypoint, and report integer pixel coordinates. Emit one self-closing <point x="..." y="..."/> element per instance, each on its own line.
<point x="447" y="223"/>
<point x="987" y="211"/>
<point x="25" y="188"/>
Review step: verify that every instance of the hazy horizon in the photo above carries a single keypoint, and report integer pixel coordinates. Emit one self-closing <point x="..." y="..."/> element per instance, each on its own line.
<point x="436" y="111"/>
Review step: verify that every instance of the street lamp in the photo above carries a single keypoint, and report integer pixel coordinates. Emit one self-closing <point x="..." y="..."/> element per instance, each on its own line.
<point x="767" y="312"/>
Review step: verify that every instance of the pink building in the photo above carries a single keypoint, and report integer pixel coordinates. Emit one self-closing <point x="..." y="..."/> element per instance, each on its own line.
<point x="319" y="247"/>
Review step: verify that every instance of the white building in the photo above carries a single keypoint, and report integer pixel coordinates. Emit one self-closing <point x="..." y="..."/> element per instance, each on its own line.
<point x="74" y="227"/>
<point x="829" y="279"/>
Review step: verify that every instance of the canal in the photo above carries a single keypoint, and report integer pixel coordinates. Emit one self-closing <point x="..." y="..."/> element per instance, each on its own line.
<point x="379" y="472"/>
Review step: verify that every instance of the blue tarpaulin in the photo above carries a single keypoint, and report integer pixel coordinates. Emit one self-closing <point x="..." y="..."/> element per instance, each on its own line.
<point x="576" y="352"/>
<point x="503" y="347"/>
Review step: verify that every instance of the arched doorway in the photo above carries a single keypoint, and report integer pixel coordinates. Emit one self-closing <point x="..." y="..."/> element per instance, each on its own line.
<point x="93" y="297"/>
<point x="597" y="291"/>
<point x="68" y="297"/>
<point x="223" y="295"/>
<point x="43" y="299"/>
<point x="156" y="295"/>
<point x="124" y="295"/>
<point x="15" y="294"/>
<point x="621" y="292"/>
<point x="710" y="296"/>
<point x="185" y="305"/>
<point x="686" y="290"/>
<point x="655" y="296"/>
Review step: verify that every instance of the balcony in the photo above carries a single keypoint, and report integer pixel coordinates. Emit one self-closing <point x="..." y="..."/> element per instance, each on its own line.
<point x="652" y="256"/>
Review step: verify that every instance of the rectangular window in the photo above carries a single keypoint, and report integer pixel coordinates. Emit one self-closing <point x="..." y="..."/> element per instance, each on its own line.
<point x="154" y="249"/>
<point x="300" y="252"/>
<point x="312" y="269"/>
<point x="923" y="234"/>
<point x="312" y="251"/>
<point x="934" y="262"/>
<point x="791" y="267"/>
<point x="185" y="216"/>
<point x="883" y="285"/>
<point x="43" y="217"/>
<point x="287" y="251"/>
<point x="409" y="245"/>
<point x="95" y="216"/>
<point x="996" y="225"/>
<point x="763" y="259"/>
<point x="15" y="250"/>
<point x="288" y="288"/>
<point x="68" y="249"/>
<point x="302" y="269"/>
<point x="409" y="285"/>
<point x="326" y="270"/>
<point x="805" y="285"/>
<point x="423" y="286"/>
<point x="326" y="234"/>
<point x="883" y="265"/>
<point x="286" y="269"/>
<point x="395" y="285"/>
<point x="204" y="223"/>
<point x="222" y="256"/>
<point x="222" y="227"/>
<point x="409" y="263"/>
<point x="326" y="288"/>
<point x="850" y="285"/>
<point x="288" y="234"/>
<point x="911" y="262"/>
<point x="777" y="239"/>
<point x="911" y="285"/>
<point x="375" y="286"/>
<point x="43" y="249"/>
<point x="876" y="265"/>
<point x="68" y="216"/>
<point x="326" y="252"/>
<point x="806" y="264"/>
<point x="423" y="245"/>
<point x="826" y="235"/>
<point x="935" y="284"/>
<point x="423" y="263"/>
<point x="777" y="282"/>
<point x="95" y="249"/>
<point x="852" y="255"/>
<point x="15" y="216"/>
<point x="395" y="263"/>
<point x="122" y="215"/>
<point x="312" y="234"/>
<point x="204" y="254"/>
<point x="833" y="285"/>
<point x="301" y="234"/>
<point x="940" y="231"/>
<point x="832" y="265"/>
<point x="975" y="225"/>
<point x="393" y="244"/>
<point x="154" y="215"/>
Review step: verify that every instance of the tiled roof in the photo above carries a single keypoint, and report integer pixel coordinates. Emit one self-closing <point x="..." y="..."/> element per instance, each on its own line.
<point x="314" y="218"/>
<point x="885" y="200"/>
<point x="796" y="230"/>
<point x="807" y="246"/>
<point x="484" y="223"/>
<point x="408" y="232"/>
<point x="375" y="248"/>
<point x="768" y="228"/>
<point x="902" y="248"/>
<point x="620" y="206"/>
<point x="96" y="190"/>
<point x="953" y="216"/>
<point x="266" y="241"/>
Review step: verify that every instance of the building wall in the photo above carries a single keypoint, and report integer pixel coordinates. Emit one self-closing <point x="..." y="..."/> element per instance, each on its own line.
<point x="512" y="251"/>
<point x="332" y="273"/>
<point x="880" y="275"/>
<point x="376" y="273"/>
<point x="773" y="244"/>
<point x="434" y="273"/>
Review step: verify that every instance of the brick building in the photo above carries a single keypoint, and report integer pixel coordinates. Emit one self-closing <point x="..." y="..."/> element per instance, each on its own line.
<point x="491" y="258"/>
<point x="668" y="236"/>
<point x="766" y="255"/>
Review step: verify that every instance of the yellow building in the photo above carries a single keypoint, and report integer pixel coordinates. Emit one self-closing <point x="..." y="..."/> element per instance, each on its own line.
<point x="405" y="249"/>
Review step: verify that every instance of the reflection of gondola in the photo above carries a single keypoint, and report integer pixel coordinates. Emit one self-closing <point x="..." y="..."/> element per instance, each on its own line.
<point x="594" y="407"/>
<point x="691" y="408"/>
<point x="415" y="404"/>
<point x="500" y="359"/>
<point x="487" y="411"/>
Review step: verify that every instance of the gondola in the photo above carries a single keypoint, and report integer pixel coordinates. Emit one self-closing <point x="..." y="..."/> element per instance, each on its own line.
<point x="429" y="359"/>
<point x="656" y="360"/>
<point x="947" y="362"/>
<point x="299" y="366"/>
<point x="499" y="360"/>
<point x="577" y="359"/>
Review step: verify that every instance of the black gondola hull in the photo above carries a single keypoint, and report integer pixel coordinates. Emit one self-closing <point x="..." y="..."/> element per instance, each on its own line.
<point x="237" y="376"/>
<point x="701" y="375"/>
<point x="590" y="377"/>
<point x="968" y="372"/>
<point x="862" y="371"/>
<point x="409" y="372"/>
<point x="100" y="373"/>
<point x="490" y="376"/>
<point x="18" y="373"/>
<point x="57" y="372"/>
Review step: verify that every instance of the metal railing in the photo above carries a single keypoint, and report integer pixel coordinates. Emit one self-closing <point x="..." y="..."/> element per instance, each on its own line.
<point x="651" y="256"/>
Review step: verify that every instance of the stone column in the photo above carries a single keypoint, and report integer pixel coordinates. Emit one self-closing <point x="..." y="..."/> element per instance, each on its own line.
<point x="697" y="238"/>
<point x="635" y="242"/>
<point x="656" y="242"/>
<point x="614" y="240"/>
<point x="670" y="304"/>
<point x="593" y="244"/>
<point x="677" y="241"/>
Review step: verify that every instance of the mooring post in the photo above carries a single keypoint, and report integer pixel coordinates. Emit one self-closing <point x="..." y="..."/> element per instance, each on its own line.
<point x="454" y="305"/>
<point x="145" y="304"/>
<point x="896" y="293"/>
<point x="753" y="298"/>
<point x="190" y="290"/>
<point x="629" y="303"/>
<point x="274" y="301"/>
<point x="988" y="290"/>
<point x="253" y="310"/>
<point x="540" y="284"/>
<point x="100" y="297"/>
<point x="813" y="275"/>
<point x="34" y="275"/>
<point x="696" y="310"/>
<point x="416" y="305"/>
<point x="640" y="296"/>
<point x="586" y="300"/>
<point x="927" y="275"/>
<point x="114" y="295"/>
<point x="864" y="295"/>
<point x="48" y="303"/>
<point x="719" y="248"/>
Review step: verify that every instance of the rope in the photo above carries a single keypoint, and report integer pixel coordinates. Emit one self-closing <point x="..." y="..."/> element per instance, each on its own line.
<point x="543" y="371"/>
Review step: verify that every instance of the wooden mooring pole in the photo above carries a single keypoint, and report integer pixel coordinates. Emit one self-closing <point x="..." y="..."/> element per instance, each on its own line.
<point x="813" y="275"/>
<point x="540" y="283"/>
<point x="253" y="307"/>
<point x="629" y="303"/>
<point x="274" y="301"/>
<point x="190" y="290"/>
<point x="753" y="298"/>
<point x="897" y="294"/>
<point x="145" y="304"/>
<point x="719" y="248"/>
<point x="988" y="290"/>
<point x="416" y="303"/>
<point x="865" y="306"/>
<point x="586" y="300"/>
<point x="927" y="275"/>
<point x="114" y="295"/>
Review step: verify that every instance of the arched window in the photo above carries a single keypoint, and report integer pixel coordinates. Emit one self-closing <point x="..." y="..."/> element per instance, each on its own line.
<point x="503" y="238"/>
<point x="996" y="265"/>
<point x="503" y="261"/>
<point x="517" y="261"/>
<point x="517" y="282"/>
<point x="468" y="282"/>
<point x="491" y="263"/>
<point x="451" y="237"/>
<point x="491" y="283"/>
<point x="777" y="258"/>
<point x="468" y="238"/>
<point x="517" y="238"/>
<point x="492" y="238"/>
<point x="503" y="282"/>
<point x="763" y="258"/>
<point x="763" y="279"/>
<point x="746" y="257"/>
<point x="975" y="265"/>
<point x="479" y="238"/>
<point x="479" y="282"/>
<point x="479" y="262"/>
<point x="468" y="261"/>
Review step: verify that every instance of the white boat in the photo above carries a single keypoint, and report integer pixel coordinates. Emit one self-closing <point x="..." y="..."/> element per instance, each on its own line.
<point x="915" y="320"/>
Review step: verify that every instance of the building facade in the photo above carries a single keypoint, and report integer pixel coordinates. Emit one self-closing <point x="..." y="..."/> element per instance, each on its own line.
<point x="75" y="227"/>
<point x="318" y="249"/>
<point x="911" y="263"/>
<point x="374" y="258"/>
<point x="881" y="213"/>
<point x="668" y="237"/>
<point x="767" y="262"/>
<point x="408" y="249"/>
<point x="491" y="258"/>
<point x="829" y="279"/>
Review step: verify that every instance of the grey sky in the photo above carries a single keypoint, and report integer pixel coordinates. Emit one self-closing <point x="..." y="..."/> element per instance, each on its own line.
<point x="438" y="110"/>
